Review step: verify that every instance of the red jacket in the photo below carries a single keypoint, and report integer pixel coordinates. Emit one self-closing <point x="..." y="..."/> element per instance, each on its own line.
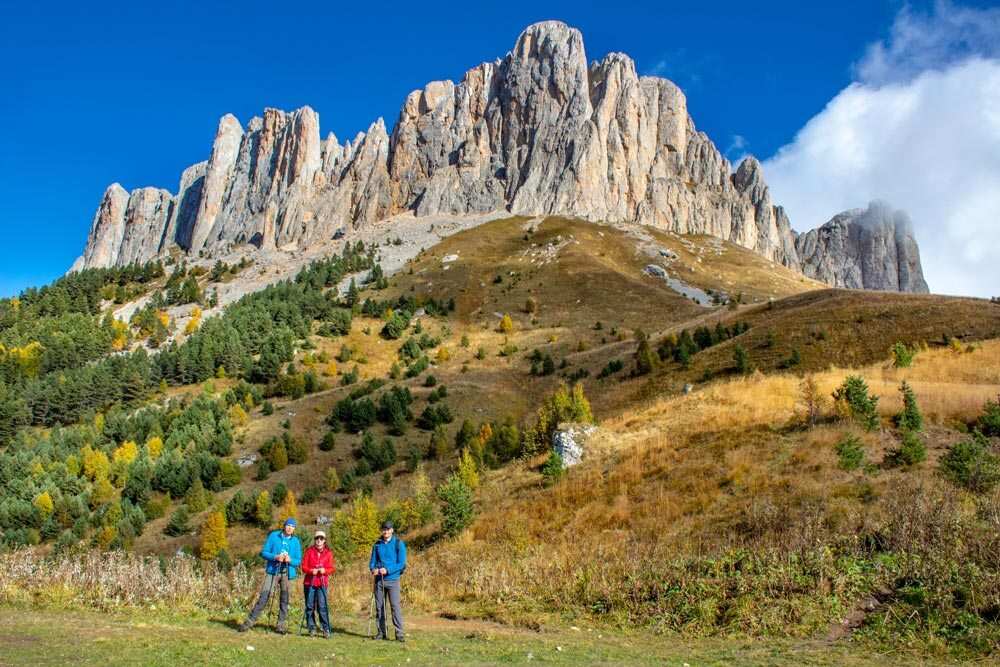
<point x="315" y="558"/>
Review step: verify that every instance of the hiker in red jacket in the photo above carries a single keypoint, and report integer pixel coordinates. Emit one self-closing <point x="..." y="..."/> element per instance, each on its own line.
<point x="317" y="565"/>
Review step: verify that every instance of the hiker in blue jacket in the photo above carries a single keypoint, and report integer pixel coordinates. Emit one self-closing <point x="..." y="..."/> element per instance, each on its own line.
<point x="387" y="563"/>
<point x="283" y="555"/>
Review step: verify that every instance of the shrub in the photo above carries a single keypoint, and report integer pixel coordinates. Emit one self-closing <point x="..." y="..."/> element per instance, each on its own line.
<point x="853" y="398"/>
<point x="531" y="305"/>
<point x="910" y="451"/>
<point x="645" y="359"/>
<point x="178" y="523"/>
<point x="989" y="422"/>
<point x="328" y="442"/>
<point x="850" y="452"/>
<point x="506" y="324"/>
<point x="311" y="495"/>
<point x="395" y="325"/>
<point x="910" y="418"/>
<point x="457" y="509"/>
<point x="430" y="381"/>
<point x="554" y="468"/>
<point x="229" y="473"/>
<point x="332" y="479"/>
<point x="297" y="450"/>
<point x="267" y="409"/>
<point x="971" y="464"/>
<point x="440" y="446"/>
<point x="741" y="360"/>
<point x="239" y="508"/>
<point x="902" y="356"/>
<point x="610" y="369"/>
<point x="563" y="405"/>
<point x="263" y="509"/>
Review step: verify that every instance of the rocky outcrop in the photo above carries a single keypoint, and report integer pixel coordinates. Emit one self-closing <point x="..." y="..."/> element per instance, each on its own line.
<point x="871" y="248"/>
<point x="539" y="132"/>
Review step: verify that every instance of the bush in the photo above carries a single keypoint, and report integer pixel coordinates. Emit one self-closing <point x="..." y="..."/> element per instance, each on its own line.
<point x="332" y="480"/>
<point x="850" y="452"/>
<point x="267" y="409"/>
<point x="853" y="398"/>
<point x="902" y="356"/>
<point x="910" y="451"/>
<point x="239" y="508"/>
<point x="506" y="324"/>
<point x="741" y="360"/>
<point x="971" y="464"/>
<point x="645" y="359"/>
<point x="457" y="509"/>
<point x="910" y="418"/>
<point x="989" y="422"/>
<point x="554" y="468"/>
<point x="395" y="325"/>
<point x="178" y="523"/>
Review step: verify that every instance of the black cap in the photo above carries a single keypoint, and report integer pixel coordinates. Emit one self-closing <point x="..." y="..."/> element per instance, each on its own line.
<point x="387" y="525"/>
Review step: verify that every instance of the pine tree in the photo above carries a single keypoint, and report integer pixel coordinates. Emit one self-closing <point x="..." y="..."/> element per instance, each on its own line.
<point x="910" y="418"/>
<point x="213" y="536"/>
<point x="457" y="509"/>
<point x="506" y="324"/>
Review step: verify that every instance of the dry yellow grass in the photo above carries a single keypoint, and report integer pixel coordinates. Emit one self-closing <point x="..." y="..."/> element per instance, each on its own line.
<point x="948" y="385"/>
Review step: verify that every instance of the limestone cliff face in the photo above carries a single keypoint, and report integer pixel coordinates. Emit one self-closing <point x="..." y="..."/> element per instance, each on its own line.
<point x="539" y="132"/>
<point x="871" y="248"/>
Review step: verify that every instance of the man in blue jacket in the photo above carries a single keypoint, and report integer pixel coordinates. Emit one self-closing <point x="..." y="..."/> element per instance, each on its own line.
<point x="387" y="563"/>
<point x="283" y="555"/>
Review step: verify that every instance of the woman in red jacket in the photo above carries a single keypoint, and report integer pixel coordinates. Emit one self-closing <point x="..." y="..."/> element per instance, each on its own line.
<point x="317" y="566"/>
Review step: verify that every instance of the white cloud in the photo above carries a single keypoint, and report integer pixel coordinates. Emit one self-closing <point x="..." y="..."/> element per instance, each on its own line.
<point x="920" y="130"/>
<point x="937" y="40"/>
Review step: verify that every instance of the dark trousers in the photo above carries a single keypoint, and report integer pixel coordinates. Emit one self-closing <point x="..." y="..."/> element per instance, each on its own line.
<point x="388" y="589"/>
<point x="316" y="603"/>
<point x="281" y="579"/>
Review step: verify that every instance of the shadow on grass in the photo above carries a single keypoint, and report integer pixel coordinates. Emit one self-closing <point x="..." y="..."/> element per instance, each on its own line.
<point x="295" y="630"/>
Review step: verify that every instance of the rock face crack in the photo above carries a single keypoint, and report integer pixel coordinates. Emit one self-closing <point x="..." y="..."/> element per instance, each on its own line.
<point x="538" y="132"/>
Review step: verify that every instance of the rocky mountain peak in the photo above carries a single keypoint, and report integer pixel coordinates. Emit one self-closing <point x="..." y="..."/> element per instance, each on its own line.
<point x="872" y="248"/>
<point x="537" y="132"/>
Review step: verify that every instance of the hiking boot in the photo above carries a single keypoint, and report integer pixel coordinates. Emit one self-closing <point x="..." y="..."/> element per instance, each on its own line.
<point x="310" y="632"/>
<point x="401" y="639"/>
<point x="379" y="637"/>
<point x="244" y="626"/>
<point x="326" y="634"/>
<point x="281" y="629"/>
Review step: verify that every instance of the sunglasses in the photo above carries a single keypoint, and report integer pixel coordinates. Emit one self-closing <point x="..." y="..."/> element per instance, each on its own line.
<point x="321" y="539"/>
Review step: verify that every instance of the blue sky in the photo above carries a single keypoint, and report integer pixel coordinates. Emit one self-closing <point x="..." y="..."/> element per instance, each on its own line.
<point x="131" y="92"/>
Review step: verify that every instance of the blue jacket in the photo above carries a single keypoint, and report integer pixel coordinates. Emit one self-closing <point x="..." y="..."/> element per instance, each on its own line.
<point x="391" y="555"/>
<point x="276" y="543"/>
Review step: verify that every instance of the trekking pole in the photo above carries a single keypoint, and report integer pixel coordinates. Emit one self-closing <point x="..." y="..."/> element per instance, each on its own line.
<point x="270" y="596"/>
<point x="371" y="610"/>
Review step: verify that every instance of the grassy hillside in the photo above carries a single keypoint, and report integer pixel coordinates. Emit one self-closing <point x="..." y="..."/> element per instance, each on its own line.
<point x="708" y="503"/>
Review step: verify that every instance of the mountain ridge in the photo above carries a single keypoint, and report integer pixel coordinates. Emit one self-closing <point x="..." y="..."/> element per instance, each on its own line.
<point x="538" y="132"/>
